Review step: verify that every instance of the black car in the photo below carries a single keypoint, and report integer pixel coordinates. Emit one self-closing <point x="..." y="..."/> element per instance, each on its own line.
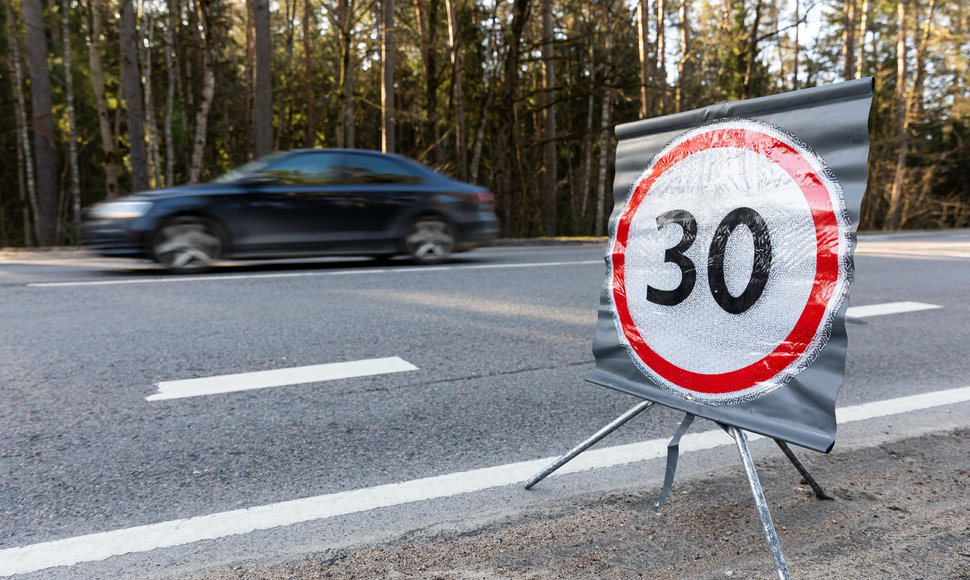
<point x="313" y="202"/>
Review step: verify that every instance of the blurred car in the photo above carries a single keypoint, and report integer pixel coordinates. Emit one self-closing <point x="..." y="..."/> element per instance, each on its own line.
<point x="313" y="202"/>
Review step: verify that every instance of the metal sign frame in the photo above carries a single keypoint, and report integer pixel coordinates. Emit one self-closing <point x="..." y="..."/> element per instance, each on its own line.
<point x="768" y="526"/>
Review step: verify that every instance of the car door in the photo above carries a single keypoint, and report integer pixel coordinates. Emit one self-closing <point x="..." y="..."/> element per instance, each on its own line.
<point x="294" y="205"/>
<point x="384" y="192"/>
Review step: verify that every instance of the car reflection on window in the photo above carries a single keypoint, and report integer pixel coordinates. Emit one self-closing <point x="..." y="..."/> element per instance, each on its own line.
<point x="296" y="177"/>
<point x="365" y="175"/>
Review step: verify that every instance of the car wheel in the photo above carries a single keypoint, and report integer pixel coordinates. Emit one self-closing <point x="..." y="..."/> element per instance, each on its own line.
<point x="186" y="245"/>
<point x="429" y="240"/>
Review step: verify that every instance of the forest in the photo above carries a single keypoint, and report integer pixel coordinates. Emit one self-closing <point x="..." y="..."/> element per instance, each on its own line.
<point x="107" y="97"/>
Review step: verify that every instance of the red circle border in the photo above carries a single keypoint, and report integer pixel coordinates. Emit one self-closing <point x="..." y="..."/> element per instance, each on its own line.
<point x="826" y="266"/>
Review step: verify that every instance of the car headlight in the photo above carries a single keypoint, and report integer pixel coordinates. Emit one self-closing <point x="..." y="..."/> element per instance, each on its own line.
<point x="121" y="209"/>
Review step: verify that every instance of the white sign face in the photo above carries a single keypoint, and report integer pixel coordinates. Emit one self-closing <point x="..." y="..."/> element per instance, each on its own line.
<point x="729" y="262"/>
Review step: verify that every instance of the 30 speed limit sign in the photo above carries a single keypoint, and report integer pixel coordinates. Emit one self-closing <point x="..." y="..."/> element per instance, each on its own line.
<point x="728" y="263"/>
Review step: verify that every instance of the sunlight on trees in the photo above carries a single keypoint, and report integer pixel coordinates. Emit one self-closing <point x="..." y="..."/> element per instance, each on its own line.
<point x="518" y="95"/>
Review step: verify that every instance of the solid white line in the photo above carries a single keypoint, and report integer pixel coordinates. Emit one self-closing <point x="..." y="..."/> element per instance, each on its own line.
<point x="362" y="272"/>
<point x="888" y="308"/>
<point x="94" y="547"/>
<point x="279" y="378"/>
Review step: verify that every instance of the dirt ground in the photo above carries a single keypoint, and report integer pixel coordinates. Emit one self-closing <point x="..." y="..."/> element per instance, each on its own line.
<point x="901" y="511"/>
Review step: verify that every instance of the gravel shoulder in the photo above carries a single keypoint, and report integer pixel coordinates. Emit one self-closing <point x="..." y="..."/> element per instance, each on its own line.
<point x="901" y="510"/>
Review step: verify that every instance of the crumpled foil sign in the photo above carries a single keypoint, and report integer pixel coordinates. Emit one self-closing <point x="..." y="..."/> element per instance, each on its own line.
<point x="730" y="260"/>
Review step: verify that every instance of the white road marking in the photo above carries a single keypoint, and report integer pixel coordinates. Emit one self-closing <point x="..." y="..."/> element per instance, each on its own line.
<point x="279" y="378"/>
<point x="362" y="272"/>
<point x="888" y="308"/>
<point x="100" y="546"/>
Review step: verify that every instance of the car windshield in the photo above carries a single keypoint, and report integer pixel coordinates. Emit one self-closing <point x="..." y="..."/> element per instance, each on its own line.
<point x="253" y="167"/>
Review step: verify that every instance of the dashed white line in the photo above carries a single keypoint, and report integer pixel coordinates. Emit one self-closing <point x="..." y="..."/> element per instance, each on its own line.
<point x="279" y="378"/>
<point x="100" y="546"/>
<point x="888" y="308"/>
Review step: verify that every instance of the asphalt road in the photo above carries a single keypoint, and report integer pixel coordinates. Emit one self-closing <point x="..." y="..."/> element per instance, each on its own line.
<point x="501" y="344"/>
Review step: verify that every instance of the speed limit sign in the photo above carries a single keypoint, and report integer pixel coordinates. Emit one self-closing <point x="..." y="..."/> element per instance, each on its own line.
<point x="729" y="262"/>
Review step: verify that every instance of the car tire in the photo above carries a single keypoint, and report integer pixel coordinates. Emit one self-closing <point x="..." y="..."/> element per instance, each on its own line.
<point x="429" y="240"/>
<point x="187" y="245"/>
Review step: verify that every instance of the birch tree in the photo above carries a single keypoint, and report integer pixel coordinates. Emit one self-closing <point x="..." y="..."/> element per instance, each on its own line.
<point x="75" y="180"/>
<point x="25" y="160"/>
<point x="108" y="140"/>
<point x="461" y="142"/>
<point x="41" y="100"/>
<point x="206" y="51"/>
<point x="145" y="41"/>
<point x="387" y="76"/>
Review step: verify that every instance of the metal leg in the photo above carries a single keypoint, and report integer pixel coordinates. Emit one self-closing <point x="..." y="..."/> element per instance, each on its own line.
<point x="819" y="492"/>
<point x="616" y="424"/>
<point x="759" y="499"/>
<point x="673" y="452"/>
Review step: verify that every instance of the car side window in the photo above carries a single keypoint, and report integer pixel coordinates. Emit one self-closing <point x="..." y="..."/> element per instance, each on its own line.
<point x="377" y="169"/>
<point x="323" y="168"/>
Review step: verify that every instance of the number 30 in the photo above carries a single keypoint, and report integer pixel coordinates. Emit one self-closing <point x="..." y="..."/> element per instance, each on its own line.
<point x="715" y="264"/>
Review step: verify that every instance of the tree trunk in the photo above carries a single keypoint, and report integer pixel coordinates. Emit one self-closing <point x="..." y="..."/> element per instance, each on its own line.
<point x="201" y="123"/>
<point x="863" y="29"/>
<point x="683" y="66"/>
<point x="912" y="104"/>
<point x="661" y="57"/>
<point x="550" y="179"/>
<point x="902" y="126"/>
<point x="588" y="139"/>
<point x="263" y="82"/>
<point x="31" y="227"/>
<point x="133" y="97"/>
<point x="286" y="107"/>
<point x="459" y="100"/>
<point x="170" y="92"/>
<point x="45" y="151"/>
<point x="848" y="40"/>
<point x="108" y="141"/>
<point x="75" y="184"/>
<point x="208" y="89"/>
<point x="505" y="145"/>
<point x="345" y="121"/>
<point x="489" y="75"/>
<point x="643" y="44"/>
<point x="387" y="78"/>
<point x="151" y="123"/>
<point x="428" y="31"/>
<point x="798" y="26"/>
<point x="310" y="140"/>
<point x="606" y="131"/>
<point x="752" y="50"/>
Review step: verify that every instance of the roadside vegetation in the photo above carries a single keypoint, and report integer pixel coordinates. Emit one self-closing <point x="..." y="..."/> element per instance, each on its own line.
<point x="108" y="97"/>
